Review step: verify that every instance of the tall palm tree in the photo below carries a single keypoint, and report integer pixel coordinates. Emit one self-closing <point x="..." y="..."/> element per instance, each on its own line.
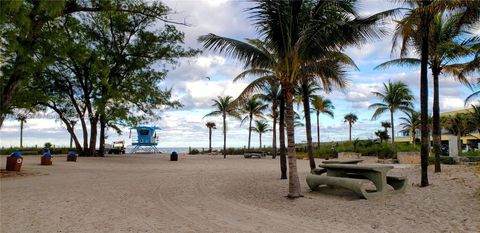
<point x="302" y="35"/>
<point x="395" y="96"/>
<point x="210" y="125"/>
<point x="271" y="93"/>
<point x="223" y="107"/>
<point x="321" y="105"/>
<point x="448" y="43"/>
<point x="351" y="119"/>
<point x="252" y="108"/>
<point x="261" y="127"/>
<point x="420" y="13"/>
<point x="386" y="125"/>
<point x="23" y="119"/>
<point x="410" y="124"/>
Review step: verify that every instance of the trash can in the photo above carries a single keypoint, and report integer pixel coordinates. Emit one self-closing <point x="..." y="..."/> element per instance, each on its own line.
<point x="46" y="157"/>
<point x="174" y="156"/>
<point x="14" y="161"/>
<point x="72" y="157"/>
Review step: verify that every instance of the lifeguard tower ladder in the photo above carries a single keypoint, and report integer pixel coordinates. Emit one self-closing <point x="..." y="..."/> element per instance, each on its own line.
<point x="146" y="139"/>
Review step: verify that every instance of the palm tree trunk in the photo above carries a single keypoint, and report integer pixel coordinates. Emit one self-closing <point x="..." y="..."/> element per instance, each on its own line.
<point x="210" y="140"/>
<point x="281" y="128"/>
<point x="393" y="128"/>
<point x="224" y="136"/>
<point x="318" y="130"/>
<point x="350" y="131"/>
<point x="21" y="133"/>
<point x="293" y="180"/>
<point x="308" y="124"/>
<point x="260" y="136"/>
<point x="424" y="96"/>
<point x="250" y="131"/>
<point x="436" y="120"/>
<point x="274" y="138"/>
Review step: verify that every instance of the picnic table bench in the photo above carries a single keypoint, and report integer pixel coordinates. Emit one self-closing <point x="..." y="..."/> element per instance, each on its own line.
<point x="250" y="154"/>
<point x="356" y="177"/>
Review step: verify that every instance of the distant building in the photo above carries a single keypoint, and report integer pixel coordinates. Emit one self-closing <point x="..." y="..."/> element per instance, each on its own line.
<point x="471" y="141"/>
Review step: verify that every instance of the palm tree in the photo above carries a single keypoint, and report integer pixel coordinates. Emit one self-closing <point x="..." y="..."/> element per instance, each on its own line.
<point x="386" y="125"/>
<point x="395" y="96"/>
<point x="419" y="15"/>
<point x="302" y="35"/>
<point x="253" y="108"/>
<point x="410" y="124"/>
<point x="260" y="128"/>
<point x="224" y="108"/>
<point x="382" y="135"/>
<point x="210" y="125"/>
<point x="351" y="119"/>
<point x="271" y="93"/>
<point x="321" y="105"/>
<point x="448" y="43"/>
<point x="23" y="119"/>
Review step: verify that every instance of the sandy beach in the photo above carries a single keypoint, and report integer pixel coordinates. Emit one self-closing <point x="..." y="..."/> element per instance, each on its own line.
<point x="149" y="193"/>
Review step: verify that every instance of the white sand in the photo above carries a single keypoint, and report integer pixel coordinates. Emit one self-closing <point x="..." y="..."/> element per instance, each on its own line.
<point x="146" y="193"/>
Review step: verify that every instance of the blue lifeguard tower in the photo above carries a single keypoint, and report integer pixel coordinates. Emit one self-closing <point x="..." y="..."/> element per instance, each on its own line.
<point x="146" y="139"/>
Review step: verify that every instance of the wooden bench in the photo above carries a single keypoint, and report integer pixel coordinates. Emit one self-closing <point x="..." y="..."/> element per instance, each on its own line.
<point x="355" y="185"/>
<point x="250" y="154"/>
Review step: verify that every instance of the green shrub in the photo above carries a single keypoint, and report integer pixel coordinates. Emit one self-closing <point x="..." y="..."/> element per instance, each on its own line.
<point x="473" y="158"/>
<point x="194" y="151"/>
<point x="471" y="153"/>
<point x="443" y="160"/>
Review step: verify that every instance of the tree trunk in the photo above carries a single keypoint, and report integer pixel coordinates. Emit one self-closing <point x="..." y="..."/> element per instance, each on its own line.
<point x="281" y="126"/>
<point x="260" y="137"/>
<point x="21" y="133"/>
<point x="424" y="96"/>
<point x="250" y="130"/>
<point x="294" y="190"/>
<point x="93" y="136"/>
<point x="224" y="136"/>
<point x="349" y="130"/>
<point x="210" y="140"/>
<point x="318" y="130"/>
<point x="393" y="128"/>
<point x="308" y="123"/>
<point x="436" y="134"/>
<point x="274" y="138"/>
<point x="103" y="127"/>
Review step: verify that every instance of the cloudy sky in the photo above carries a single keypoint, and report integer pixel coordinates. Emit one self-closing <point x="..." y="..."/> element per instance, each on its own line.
<point x="186" y="127"/>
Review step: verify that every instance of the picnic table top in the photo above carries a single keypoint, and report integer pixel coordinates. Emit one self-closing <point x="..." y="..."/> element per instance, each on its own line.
<point x="342" y="161"/>
<point x="366" y="167"/>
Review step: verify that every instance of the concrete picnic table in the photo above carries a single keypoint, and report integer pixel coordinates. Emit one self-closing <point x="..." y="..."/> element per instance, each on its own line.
<point x="319" y="171"/>
<point x="356" y="176"/>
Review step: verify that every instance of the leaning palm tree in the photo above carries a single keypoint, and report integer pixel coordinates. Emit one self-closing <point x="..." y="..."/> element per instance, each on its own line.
<point x="351" y="119"/>
<point x="395" y="96"/>
<point x="210" y="125"/>
<point x="410" y="124"/>
<point x="224" y="108"/>
<point x="261" y="127"/>
<point x="321" y="105"/>
<point x="252" y="108"/>
<point x="301" y="34"/>
<point x="23" y="119"/>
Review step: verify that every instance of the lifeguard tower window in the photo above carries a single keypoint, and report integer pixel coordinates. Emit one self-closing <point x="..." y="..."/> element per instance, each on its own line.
<point x="144" y="132"/>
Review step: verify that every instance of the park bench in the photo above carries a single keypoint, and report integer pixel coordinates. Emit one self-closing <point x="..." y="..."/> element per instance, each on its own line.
<point x="355" y="176"/>
<point x="250" y="154"/>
